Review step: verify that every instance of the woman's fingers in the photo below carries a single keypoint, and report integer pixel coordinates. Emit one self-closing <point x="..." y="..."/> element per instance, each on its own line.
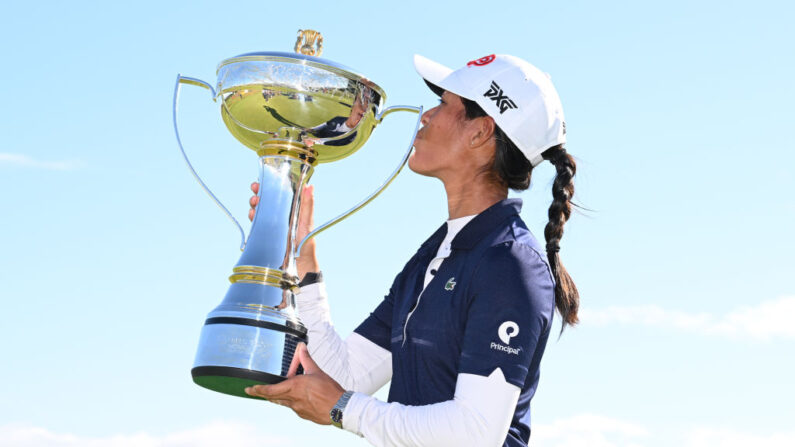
<point x="307" y="219"/>
<point x="307" y="260"/>
<point x="296" y="362"/>
<point x="311" y="396"/>
<point x="302" y="357"/>
<point x="281" y="391"/>
<point x="310" y="367"/>
<point x="253" y="201"/>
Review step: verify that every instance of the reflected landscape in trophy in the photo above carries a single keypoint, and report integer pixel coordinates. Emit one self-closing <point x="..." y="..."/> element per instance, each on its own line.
<point x="295" y="111"/>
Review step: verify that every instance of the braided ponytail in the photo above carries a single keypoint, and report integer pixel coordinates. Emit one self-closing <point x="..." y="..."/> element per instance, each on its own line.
<point x="512" y="170"/>
<point x="567" y="299"/>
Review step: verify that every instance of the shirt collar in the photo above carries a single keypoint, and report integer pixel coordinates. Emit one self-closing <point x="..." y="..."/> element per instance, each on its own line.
<point x="435" y="239"/>
<point x="485" y="222"/>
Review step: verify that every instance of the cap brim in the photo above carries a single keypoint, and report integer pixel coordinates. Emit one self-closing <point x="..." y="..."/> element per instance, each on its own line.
<point x="432" y="72"/>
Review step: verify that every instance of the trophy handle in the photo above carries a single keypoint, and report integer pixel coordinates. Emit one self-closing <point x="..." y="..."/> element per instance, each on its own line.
<point x="368" y="199"/>
<point x="198" y="82"/>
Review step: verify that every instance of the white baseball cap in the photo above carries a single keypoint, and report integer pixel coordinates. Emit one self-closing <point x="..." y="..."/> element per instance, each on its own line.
<point x="518" y="96"/>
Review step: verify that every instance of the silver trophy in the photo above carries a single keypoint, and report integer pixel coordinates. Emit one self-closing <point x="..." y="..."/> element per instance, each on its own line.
<point x="295" y="110"/>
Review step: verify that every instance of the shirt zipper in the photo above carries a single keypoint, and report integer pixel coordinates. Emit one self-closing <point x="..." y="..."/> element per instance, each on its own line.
<point x="405" y="325"/>
<point x="417" y="304"/>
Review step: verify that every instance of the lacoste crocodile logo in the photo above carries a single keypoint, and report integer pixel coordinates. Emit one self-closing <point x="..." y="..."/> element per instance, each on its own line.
<point x="450" y="284"/>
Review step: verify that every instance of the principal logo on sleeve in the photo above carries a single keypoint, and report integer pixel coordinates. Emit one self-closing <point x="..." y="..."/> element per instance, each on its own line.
<point x="506" y="332"/>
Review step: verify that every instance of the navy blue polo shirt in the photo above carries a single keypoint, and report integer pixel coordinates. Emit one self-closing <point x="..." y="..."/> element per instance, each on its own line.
<point x="490" y="305"/>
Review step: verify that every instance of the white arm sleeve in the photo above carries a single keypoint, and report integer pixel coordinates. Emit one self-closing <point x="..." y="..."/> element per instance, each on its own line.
<point x="479" y="415"/>
<point x="356" y="363"/>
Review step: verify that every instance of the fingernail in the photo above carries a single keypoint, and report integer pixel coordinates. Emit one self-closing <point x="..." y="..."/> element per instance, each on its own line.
<point x="248" y="390"/>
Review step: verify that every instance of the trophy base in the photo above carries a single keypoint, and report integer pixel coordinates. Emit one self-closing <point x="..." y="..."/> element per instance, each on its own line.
<point x="233" y="381"/>
<point x="237" y="351"/>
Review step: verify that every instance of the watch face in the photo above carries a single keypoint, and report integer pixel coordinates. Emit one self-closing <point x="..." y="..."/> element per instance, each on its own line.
<point x="336" y="415"/>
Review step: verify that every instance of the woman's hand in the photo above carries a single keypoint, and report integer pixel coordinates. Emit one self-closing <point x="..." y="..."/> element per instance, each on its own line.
<point x="307" y="261"/>
<point x="311" y="395"/>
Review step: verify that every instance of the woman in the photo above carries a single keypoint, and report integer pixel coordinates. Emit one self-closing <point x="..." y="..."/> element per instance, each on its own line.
<point x="464" y="326"/>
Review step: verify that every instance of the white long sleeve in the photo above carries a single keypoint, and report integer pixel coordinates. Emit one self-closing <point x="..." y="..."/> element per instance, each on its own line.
<point x="479" y="415"/>
<point x="356" y="363"/>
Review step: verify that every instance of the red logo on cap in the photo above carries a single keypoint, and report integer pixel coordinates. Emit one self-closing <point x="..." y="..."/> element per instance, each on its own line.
<point x="485" y="60"/>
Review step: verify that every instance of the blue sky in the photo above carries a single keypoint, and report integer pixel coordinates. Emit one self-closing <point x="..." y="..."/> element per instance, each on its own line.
<point x="680" y="115"/>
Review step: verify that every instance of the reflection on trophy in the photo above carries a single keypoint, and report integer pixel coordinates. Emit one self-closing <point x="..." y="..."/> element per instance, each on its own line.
<point x="295" y="111"/>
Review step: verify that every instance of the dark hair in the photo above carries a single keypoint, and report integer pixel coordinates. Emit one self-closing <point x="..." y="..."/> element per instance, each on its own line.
<point x="513" y="170"/>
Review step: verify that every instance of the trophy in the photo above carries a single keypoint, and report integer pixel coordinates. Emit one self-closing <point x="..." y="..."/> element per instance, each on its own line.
<point x="295" y="110"/>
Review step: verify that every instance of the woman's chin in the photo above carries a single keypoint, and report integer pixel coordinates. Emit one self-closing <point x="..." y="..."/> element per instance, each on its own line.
<point x="417" y="167"/>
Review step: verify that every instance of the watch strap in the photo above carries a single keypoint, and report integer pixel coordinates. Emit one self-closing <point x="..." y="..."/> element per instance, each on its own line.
<point x="339" y="409"/>
<point x="311" y="278"/>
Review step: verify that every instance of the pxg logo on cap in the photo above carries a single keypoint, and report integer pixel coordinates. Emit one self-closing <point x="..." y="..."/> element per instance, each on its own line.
<point x="496" y="94"/>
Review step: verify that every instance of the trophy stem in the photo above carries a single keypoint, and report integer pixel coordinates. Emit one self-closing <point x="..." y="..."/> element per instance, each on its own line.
<point x="252" y="335"/>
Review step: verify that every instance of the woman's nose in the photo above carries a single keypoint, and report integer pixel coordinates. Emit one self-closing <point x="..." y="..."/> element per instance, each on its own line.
<point x="426" y="116"/>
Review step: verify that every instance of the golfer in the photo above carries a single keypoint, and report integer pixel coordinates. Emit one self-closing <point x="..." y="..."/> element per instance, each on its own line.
<point x="463" y="328"/>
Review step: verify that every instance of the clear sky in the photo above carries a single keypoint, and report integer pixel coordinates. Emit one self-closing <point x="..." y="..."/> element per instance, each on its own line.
<point x="680" y="114"/>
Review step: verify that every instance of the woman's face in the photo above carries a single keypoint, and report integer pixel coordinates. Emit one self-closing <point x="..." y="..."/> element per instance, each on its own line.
<point x="357" y="110"/>
<point x="442" y="143"/>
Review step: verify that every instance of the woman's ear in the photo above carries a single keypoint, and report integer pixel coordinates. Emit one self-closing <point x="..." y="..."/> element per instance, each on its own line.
<point x="483" y="131"/>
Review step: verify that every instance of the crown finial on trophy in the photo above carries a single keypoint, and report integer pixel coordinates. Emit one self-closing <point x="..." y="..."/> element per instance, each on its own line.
<point x="309" y="42"/>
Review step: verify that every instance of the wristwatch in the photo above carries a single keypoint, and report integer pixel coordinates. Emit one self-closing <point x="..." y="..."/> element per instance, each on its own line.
<point x="339" y="408"/>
